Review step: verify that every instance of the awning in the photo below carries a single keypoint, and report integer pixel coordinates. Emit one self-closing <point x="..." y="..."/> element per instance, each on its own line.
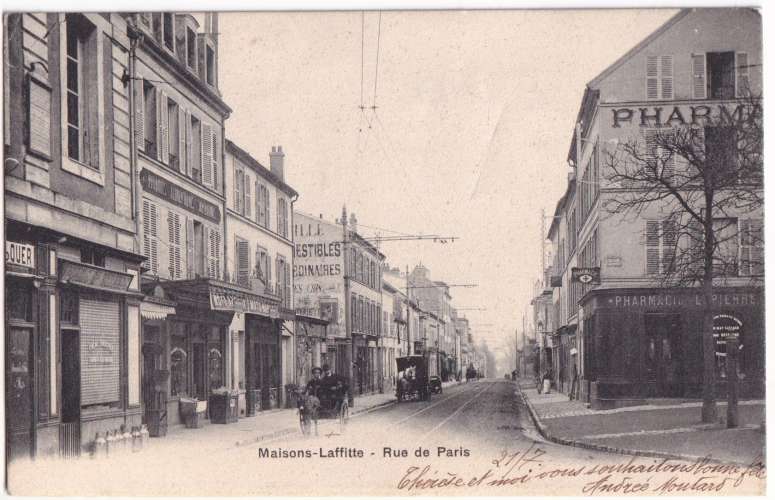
<point x="155" y="311"/>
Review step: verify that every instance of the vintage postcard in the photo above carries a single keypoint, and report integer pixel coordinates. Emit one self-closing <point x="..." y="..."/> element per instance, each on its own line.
<point x="396" y="253"/>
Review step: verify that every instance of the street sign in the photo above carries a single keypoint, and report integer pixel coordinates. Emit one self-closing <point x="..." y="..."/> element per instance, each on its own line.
<point x="586" y="275"/>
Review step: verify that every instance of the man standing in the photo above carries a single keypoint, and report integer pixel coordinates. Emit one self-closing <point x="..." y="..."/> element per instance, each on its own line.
<point x="334" y="384"/>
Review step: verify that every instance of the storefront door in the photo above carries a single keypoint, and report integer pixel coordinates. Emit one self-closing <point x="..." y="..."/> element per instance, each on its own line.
<point x="200" y="370"/>
<point x="18" y="376"/>
<point x="662" y="355"/>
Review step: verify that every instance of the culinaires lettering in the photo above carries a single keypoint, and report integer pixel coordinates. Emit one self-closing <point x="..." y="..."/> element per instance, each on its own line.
<point x="317" y="270"/>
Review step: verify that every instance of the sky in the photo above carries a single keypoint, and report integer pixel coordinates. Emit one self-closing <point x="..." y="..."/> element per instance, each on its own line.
<point x="469" y="138"/>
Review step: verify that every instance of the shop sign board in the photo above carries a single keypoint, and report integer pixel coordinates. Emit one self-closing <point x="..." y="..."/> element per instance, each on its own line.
<point x="93" y="277"/>
<point x="222" y="299"/>
<point x="586" y="275"/>
<point x="671" y="300"/>
<point x="20" y="254"/>
<point x="726" y="326"/>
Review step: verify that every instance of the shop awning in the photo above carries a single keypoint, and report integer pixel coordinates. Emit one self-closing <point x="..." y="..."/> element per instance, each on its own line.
<point x="155" y="311"/>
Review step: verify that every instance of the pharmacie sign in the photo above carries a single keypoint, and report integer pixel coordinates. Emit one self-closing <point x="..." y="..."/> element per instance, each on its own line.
<point x="674" y="116"/>
<point x="726" y="326"/>
<point x="20" y="254"/>
<point x="668" y="300"/>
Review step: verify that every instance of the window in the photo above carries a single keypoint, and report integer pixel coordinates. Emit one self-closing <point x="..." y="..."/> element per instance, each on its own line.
<point x="178" y="365"/>
<point x="283" y="281"/>
<point x="214" y="253"/>
<point x="242" y="252"/>
<point x="248" y="203"/>
<point x="720" y="75"/>
<point x="725" y="255"/>
<point x="659" y="77"/>
<point x="239" y="190"/>
<point x="168" y="30"/>
<point x="150" y="235"/>
<point x="659" y="160"/>
<point x="93" y="256"/>
<point x="721" y="151"/>
<point x="149" y="123"/>
<point x="262" y="205"/>
<point x="173" y="227"/>
<point x="210" y="64"/>
<point x="196" y="149"/>
<point x="173" y="134"/>
<point x="190" y="48"/>
<point x="661" y="240"/>
<point x="263" y="269"/>
<point x="81" y="79"/>
<point x="282" y="217"/>
<point x="751" y="247"/>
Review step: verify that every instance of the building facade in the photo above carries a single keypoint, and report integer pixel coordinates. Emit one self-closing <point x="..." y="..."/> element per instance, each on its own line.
<point x="259" y="256"/>
<point x="73" y="261"/>
<point x="629" y="337"/>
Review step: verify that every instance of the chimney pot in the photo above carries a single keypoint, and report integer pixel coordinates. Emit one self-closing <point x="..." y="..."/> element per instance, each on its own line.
<point x="276" y="162"/>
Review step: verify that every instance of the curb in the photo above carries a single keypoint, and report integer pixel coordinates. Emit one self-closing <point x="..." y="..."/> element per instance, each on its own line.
<point x="294" y="430"/>
<point x="542" y="430"/>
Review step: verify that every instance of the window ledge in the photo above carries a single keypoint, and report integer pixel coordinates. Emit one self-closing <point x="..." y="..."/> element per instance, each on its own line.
<point x="81" y="170"/>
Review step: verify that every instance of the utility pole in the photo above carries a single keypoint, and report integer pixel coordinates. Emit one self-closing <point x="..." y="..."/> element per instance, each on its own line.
<point x="347" y="306"/>
<point x="524" y="348"/>
<point x="408" y="299"/>
<point x="516" y="351"/>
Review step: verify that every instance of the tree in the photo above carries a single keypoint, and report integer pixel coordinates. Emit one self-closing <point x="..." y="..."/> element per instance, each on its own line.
<point x="704" y="175"/>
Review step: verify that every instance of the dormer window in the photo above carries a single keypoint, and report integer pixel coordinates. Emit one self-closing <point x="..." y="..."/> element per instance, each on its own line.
<point x="210" y="65"/>
<point x="191" y="48"/>
<point x="168" y="30"/>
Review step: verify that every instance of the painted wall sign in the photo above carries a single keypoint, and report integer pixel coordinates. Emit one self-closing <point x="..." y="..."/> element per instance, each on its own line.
<point x="20" y="254"/>
<point x="93" y="277"/>
<point x="173" y="193"/>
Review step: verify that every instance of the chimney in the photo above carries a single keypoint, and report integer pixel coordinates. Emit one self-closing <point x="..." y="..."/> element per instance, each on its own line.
<point x="276" y="160"/>
<point x="353" y="223"/>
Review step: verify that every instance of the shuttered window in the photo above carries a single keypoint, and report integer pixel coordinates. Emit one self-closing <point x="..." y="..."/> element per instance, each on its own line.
<point x="100" y="362"/>
<point x="263" y="269"/>
<point x="150" y="235"/>
<point x="162" y="122"/>
<point x="661" y="240"/>
<point x="751" y="247"/>
<point x="213" y="253"/>
<point x="660" y="158"/>
<point x="282" y="217"/>
<point x="175" y="258"/>
<point x="207" y="155"/>
<point x="287" y="285"/>
<point x="699" y="86"/>
<point x="248" y="198"/>
<point x="659" y="77"/>
<point x="242" y="251"/>
<point x="239" y="183"/>
<point x="743" y="82"/>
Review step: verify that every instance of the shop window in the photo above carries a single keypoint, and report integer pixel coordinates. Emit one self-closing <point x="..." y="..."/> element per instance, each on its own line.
<point x="81" y="82"/>
<point x="215" y="365"/>
<point x="68" y="307"/>
<point x="93" y="256"/>
<point x="178" y="366"/>
<point x="18" y="302"/>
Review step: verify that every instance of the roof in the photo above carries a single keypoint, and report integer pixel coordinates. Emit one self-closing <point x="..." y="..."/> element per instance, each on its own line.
<point x="264" y="172"/>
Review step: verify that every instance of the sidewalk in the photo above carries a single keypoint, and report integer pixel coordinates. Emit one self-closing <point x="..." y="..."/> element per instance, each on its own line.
<point x="265" y="426"/>
<point x="665" y="428"/>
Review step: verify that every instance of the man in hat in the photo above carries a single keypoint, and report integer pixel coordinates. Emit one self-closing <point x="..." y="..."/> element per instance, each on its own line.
<point x="316" y="382"/>
<point x="334" y="384"/>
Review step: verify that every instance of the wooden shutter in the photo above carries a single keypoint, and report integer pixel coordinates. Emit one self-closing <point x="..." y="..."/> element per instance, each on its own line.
<point x="248" y="201"/>
<point x="652" y="77"/>
<point x="259" y="202"/>
<point x="150" y="234"/>
<point x="214" y="158"/>
<point x="287" y="285"/>
<point x="189" y="152"/>
<point x="182" y="138"/>
<point x="243" y="261"/>
<point x="267" y="210"/>
<point x="214" y="253"/>
<point x="139" y="115"/>
<point x="699" y="86"/>
<point x="160" y="104"/>
<point x="237" y="191"/>
<point x="742" y="81"/>
<point x="147" y="230"/>
<point x="207" y="155"/>
<point x="652" y="247"/>
<point x="668" y="244"/>
<point x="173" y="226"/>
<point x="666" y="76"/>
<point x="190" y="265"/>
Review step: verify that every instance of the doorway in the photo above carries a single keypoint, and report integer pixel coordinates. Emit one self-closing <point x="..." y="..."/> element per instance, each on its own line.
<point x="18" y="376"/>
<point x="200" y="371"/>
<point x="70" y="427"/>
<point x="663" y="357"/>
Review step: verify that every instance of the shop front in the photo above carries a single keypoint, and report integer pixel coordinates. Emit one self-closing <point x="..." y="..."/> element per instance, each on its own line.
<point x="311" y="347"/>
<point x="72" y="342"/>
<point x="646" y="343"/>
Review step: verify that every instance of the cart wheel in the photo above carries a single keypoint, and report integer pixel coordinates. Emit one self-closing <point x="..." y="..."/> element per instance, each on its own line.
<point x="344" y="416"/>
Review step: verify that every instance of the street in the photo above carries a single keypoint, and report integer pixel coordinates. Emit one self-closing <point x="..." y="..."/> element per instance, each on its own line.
<point x="475" y="438"/>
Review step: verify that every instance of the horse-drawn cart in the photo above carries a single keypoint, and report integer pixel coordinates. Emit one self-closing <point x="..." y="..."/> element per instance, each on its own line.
<point x="413" y="382"/>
